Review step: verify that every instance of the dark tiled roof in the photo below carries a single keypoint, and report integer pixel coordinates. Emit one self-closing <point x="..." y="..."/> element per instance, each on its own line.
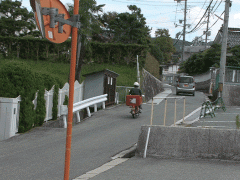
<point x="233" y="37"/>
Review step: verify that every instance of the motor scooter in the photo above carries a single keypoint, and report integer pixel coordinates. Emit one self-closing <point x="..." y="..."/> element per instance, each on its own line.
<point x="134" y="101"/>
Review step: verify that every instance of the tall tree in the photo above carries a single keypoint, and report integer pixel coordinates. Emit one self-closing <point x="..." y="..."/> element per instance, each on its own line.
<point x="88" y="11"/>
<point x="130" y="27"/>
<point x="165" y="44"/>
<point x="17" y="20"/>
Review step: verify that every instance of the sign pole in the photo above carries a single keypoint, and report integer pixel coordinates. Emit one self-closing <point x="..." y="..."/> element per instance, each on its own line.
<point x="71" y="94"/>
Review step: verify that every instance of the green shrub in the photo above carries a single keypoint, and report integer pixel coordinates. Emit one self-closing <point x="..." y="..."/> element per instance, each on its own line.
<point x="27" y="115"/>
<point x="16" y="78"/>
<point x="65" y="100"/>
<point x="41" y="108"/>
<point x="55" y="102"/>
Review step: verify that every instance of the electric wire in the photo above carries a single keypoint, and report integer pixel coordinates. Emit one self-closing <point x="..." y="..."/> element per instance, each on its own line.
<point x="199" y="12"/>
<point x="212" y="25"/>
<point x="193" y="30"/>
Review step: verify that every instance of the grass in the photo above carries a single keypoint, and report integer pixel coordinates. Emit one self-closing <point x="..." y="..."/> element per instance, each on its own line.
<point x="127" y="75"/>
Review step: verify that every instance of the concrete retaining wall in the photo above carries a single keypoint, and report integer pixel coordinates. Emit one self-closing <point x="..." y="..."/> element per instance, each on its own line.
<point x="231" y="94"/>
<point x="182" y="142"/>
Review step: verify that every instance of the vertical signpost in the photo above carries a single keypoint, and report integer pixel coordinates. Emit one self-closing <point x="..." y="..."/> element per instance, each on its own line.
<point x="57" y="28"/>
<point x="71" y="95"/>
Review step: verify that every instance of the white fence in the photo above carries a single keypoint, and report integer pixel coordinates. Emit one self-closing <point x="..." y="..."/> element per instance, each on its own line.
<point x="48" y="96"/>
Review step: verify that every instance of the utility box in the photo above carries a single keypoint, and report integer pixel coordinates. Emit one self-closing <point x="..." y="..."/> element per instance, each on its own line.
<point x="9" y="117"/>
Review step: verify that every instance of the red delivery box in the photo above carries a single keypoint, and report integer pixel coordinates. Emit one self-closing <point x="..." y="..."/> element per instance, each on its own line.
<point x="133" y="100"/>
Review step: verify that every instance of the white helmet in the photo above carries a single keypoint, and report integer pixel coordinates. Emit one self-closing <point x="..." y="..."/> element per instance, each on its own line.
<point x="136" y="84"/>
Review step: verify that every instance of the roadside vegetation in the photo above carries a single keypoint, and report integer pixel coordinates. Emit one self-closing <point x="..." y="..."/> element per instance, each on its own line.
<point x="31" y="64"/>
<point x="201" y="62"/>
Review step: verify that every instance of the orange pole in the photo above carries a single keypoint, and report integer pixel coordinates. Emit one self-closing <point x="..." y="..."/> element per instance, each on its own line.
<point x="71" y="95"/>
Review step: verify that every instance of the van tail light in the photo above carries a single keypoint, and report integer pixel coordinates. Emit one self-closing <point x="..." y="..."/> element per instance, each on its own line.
<point x="177" y="85"/>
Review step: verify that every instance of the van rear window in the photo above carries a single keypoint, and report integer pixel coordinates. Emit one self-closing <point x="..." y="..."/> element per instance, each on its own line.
<point x="185" y="80"/>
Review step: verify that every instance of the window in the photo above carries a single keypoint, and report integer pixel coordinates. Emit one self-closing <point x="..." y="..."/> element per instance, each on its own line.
<point x="185" y="80"/>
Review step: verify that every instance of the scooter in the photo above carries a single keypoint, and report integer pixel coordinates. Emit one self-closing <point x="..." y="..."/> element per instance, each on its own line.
<point x="135" y="111"/>
<point x="134" y="101"/>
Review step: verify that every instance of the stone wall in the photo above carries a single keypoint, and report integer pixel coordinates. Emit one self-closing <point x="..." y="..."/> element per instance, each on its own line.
<point x="150" y="85"/>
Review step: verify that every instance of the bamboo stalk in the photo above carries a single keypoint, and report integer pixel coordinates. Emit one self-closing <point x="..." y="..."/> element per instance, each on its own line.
<point x="184" y="102"/>
<point x="165" y="112"/>
<point x="175" y="112"/>
<point x="151" y="121"/>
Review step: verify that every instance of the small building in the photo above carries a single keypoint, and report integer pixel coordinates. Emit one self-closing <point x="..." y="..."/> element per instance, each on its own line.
<point x="99" y="83"/>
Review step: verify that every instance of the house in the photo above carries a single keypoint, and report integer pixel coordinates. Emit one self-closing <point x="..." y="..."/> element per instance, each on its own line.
<point x="190" y="50"/>
<point x="233" y="37"/>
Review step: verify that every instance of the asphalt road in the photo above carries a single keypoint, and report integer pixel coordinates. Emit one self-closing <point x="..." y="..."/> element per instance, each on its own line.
<point x="40" y="153"/>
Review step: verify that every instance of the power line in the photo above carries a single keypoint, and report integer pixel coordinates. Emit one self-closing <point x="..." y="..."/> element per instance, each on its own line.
<point x="201" y="18"/>
<point x="199" y="11"/>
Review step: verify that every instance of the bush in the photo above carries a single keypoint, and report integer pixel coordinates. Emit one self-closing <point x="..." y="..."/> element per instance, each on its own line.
<point x="65" y="100"/>
<point x="17" y="79"/>
<point x="55" y="102"/>
<point x="41" y="108"/>
<point x="26" y="119"/>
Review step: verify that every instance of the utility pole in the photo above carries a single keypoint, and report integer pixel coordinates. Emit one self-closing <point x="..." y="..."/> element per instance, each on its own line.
<point x="184" y="25"/>
<point x="184" y="28"/>
<point x="224" y="49"/>
<point x="207" y="29"/>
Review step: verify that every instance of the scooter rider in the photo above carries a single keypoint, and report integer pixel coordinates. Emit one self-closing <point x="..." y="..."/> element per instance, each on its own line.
<point x="136" y="91"/>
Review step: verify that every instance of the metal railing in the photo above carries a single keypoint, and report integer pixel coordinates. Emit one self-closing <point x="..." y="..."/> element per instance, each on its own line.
<point x="122" y="91"/>
<point x="165" y="110"/>
<point x="81" y="105"/>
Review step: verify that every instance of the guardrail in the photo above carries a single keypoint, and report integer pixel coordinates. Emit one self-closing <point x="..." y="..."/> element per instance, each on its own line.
<point x="81" y="105"/>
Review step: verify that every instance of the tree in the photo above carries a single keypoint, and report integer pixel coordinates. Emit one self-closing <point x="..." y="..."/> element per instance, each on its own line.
<point x="201" y="62"/>
<point x="17" y="20"/>
<point x="165" y="44"/>
<point x="88" y="11"/>
<point x="106" y="34"/>
<point x="130" y="28"/>
<point x="234" y="60"/>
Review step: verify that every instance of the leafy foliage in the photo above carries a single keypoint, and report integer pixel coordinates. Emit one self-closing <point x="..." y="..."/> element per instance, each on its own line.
<point x="126" y="27"/>
<point x="34" y="48"/>
<point x="40" y="110"/>
<point x="157" y="53"/>
<point x="65" y="100"/>
<point x="201" y="62"/>
<point x="90" y="25"/>
<point x="55" y="102"/>
<point x="234" y="60"/>
<point x="17" y="79"/>
<point x="17" y="21"/>
<point x="163" y="46"/>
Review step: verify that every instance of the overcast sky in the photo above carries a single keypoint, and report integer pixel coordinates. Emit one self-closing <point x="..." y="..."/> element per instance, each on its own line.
<point x="167" y="13"/>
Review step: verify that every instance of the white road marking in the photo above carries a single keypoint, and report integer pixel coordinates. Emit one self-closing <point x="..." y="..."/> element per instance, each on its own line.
<point x="101" y="169"/>
<point x="190" y="122"/>
<point x="218" y="121"/>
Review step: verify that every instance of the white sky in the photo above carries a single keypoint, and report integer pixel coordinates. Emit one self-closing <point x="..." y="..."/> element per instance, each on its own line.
<point x="164" y="13"/>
